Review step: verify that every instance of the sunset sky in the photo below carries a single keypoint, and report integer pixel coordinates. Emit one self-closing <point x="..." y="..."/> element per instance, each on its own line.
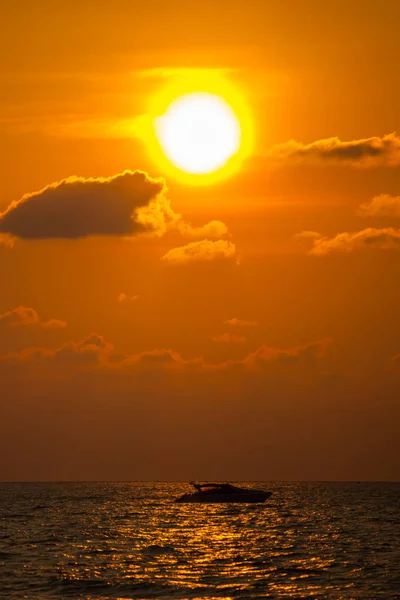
<point x="238" y="324"/>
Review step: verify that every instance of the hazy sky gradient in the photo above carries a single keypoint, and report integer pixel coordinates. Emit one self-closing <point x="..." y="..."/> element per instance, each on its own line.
<point x="258" y="335"/>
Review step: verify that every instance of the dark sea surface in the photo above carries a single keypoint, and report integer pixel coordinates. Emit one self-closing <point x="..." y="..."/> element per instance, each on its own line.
<point x="129" y="540"/>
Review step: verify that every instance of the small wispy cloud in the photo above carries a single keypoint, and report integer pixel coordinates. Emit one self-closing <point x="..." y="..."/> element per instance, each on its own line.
<point x="240" y="322"/>
<point x="203" y="251"/>
<point x="308" y="235"/>
<point x="125" y="298"/>
<point x="213" y="229"/>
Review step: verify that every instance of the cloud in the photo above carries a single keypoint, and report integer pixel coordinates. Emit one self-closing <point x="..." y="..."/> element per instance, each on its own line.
<point x="91" y="350"/>
<point x="305" y="239"/>
<point x="126" y="204"/>
<point x="157" y="216"/>
<point x="395" y="361"/>
<point x="370" y="152"/>
<point x="54" y="324"/>
<point x="307" y="354"/>
<point x="262" y="359"/>
<point x="159" y="359"/>
<point x="213" y="229"/>
<point x="228" y="338"/>
<point x="6" y="240"/>
<point x="266" y="358"/>
<point x="240" y="322"/>
<point x="122" y="205"/>
<point x="94" y="352"/>
<point x="23" y="317"/>
<point x="25" y="357"/>
<point x="19" y="316"/>
<point x="125" y="298"/>
<point x="381" y="206"/>
<point x="383" y="239"/>
<point x="308" y="235"/>
<point x="203" y="251"/>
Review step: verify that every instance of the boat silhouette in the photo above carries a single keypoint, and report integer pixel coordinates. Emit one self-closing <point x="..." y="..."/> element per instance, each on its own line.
<point x="223" y="492"/>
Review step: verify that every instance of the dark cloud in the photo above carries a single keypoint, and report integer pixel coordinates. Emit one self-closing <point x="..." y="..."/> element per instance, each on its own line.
<point x="125" y="204"/>
<point x="369" y="152"/>
<point x="370" y="238"/>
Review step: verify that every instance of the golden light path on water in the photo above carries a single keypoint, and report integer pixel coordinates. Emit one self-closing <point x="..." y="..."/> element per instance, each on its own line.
<point x="130" y="541"/>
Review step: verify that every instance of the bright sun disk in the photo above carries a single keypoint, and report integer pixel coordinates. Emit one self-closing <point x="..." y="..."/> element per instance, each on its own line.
<point x="199" y="133"/>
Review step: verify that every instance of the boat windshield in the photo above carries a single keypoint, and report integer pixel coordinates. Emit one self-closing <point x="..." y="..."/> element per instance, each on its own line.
<point x="217" y="487"/>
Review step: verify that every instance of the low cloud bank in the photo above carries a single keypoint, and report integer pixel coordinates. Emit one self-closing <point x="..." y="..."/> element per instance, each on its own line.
<point x="95" y="352"/>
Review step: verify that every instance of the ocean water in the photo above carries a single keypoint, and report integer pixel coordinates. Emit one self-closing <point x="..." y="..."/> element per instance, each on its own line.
<point x="129" y="540"/>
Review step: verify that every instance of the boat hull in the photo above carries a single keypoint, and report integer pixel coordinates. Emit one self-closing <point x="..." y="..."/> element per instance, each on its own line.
<point x="242" y="498"/>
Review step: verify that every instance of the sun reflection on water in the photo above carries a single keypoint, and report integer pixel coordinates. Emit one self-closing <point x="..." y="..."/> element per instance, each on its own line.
<point x="126" y="541"/>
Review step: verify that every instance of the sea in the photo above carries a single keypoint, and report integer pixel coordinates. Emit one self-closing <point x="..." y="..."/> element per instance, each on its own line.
<point x="129" y="540"/>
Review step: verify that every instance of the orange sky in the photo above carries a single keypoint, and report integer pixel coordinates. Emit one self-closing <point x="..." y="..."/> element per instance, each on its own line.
<point x="264" y="346"/>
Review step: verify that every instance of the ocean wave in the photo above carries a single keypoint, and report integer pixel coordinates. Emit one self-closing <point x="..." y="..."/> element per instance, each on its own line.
<point x="156" y="550"/>
<point x="307" y="543"/>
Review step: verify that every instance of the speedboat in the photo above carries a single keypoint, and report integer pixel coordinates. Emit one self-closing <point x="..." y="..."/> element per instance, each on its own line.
<point x="223" y="492"/>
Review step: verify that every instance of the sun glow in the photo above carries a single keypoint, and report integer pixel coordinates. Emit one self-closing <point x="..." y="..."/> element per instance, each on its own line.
<point x="201" y="128"/>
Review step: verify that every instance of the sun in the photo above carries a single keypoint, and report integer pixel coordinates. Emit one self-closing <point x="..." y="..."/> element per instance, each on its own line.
<point x="198" y="127"/>
<point x="199" y="133"/>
